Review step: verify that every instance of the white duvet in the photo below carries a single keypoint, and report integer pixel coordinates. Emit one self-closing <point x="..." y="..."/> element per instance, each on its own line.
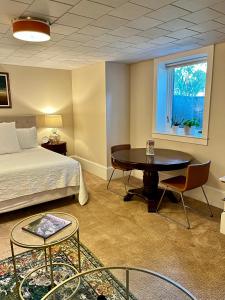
<point x="37" y="170"/>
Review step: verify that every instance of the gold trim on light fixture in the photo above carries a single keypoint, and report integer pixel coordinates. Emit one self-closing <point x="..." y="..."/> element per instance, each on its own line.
<point x="31" y="30"/>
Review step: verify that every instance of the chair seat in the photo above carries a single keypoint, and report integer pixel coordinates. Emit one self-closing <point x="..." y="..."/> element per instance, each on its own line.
<point x="177" y="182"/>
<point x="118" y="167"/>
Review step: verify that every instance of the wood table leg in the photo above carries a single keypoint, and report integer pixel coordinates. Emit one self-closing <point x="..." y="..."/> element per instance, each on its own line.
<point x="150" y="189"/>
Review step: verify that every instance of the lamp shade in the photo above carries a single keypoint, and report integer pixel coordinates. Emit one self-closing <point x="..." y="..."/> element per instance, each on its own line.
<point x="53" y="121"/>
<point x="31" y="30"/>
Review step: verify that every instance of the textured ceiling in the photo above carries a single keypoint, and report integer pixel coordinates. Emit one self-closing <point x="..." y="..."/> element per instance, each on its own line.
<point x="84" y="32"/>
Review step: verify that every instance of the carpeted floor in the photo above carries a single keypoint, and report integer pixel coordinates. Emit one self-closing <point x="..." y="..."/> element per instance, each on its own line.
<point x="120" y="233"/>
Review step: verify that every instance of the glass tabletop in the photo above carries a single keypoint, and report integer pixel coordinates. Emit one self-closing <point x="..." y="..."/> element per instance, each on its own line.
<point x="25" y="239"/>
<point x="120" y="283"/>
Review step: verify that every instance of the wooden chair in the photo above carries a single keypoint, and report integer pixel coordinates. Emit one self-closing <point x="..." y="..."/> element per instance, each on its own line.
<point x="196" y="176"/>
<point x="118" y="167"/>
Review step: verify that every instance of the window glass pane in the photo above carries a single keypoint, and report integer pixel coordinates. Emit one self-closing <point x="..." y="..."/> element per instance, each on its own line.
<point x="189" y="82"/>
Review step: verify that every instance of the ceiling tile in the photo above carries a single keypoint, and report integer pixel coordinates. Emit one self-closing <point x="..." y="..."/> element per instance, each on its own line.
<point x="121" y="45"/>
<point x="153" y="4"/>
<point x="11" y="9"/>
<point x="167" y="13"/>
<point x="109" y="38"/>
<point x="129" y="11"/>
<point x="203" y="15"/>
<point x="93" y="31"/>
<point x="143" y="23"/>
<point x="79" y="37"/>
<point x="74" y="20"/>
<point x="154" y="33"/>
<point x="56" y="36"/>
<point x="210" y="35"/>
<point x="124" y="31"/>
<point x="90" y="9"/>
<point x="188" y="41"/>
<point x="135" y="39"/>
<point x="112" y="3"/>
<point x="179" y="34"/>
<point x="109" y="22"/>
<point x="61" y="29"/>
<point x="194" y="5"/>
<point x="71" y="2"/>
<point x="221" y="19"/>
<point x="162" y="40"/>
<point x="4" y="28"/>
<point x="48" y="7"/>
<point x="219" y="7"/>
<point x="221" y="29"/>
<point x="206" y="26"/>
<point x="96" y="43"/>
<point x="69" y="43"/>
<point x="175" y="25"/>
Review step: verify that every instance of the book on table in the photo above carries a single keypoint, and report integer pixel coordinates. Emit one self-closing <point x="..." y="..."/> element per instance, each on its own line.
<point x="46" y="226"/>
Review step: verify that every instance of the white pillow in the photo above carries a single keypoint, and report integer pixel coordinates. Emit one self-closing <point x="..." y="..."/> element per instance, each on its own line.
<point x="27" y="137"/>
<point x="8" y="138"/>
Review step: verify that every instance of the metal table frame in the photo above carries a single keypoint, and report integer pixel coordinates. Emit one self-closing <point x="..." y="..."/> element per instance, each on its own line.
<point x="47" y="247"/>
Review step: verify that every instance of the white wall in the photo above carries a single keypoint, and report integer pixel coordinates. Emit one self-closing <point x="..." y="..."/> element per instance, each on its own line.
<point x="118" y="105"/>
<point x="141" y="120"/>
<point x="101" y="113"/>
<point x="36" y="91"/>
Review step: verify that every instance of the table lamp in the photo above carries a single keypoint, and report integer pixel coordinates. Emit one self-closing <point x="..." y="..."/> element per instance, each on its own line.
<point x="54" y="122"/>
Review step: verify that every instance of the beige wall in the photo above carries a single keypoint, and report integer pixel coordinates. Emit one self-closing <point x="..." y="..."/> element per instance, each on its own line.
<point x="89" y="96"/>
<point x="141" y="115"/>
<point x="39" y="90"/>
<point x="118" y="105"/>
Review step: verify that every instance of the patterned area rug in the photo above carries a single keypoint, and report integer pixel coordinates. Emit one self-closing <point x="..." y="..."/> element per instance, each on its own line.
<point x="38" y="285"/>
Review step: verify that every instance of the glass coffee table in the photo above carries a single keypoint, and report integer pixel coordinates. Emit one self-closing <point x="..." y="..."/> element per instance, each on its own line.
<point x="131" y="284"/>
<point x="24" y="239"/>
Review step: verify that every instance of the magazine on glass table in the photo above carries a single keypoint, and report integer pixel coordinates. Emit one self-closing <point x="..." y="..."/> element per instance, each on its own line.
<point x="46" y="226"/>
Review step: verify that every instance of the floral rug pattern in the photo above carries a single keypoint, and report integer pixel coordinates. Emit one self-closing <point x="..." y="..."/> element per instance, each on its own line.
<point x="38" y="285"/>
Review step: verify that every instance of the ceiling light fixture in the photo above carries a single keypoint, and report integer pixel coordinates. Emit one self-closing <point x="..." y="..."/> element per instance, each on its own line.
<point x="31" y="30"/>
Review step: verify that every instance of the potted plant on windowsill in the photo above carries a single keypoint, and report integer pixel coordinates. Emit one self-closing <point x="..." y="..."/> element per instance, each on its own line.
<point x="189" y="124"/>
<point x="175" y="124"/>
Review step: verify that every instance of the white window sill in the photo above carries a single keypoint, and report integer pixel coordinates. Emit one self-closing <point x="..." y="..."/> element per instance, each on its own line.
<point x="180" y="138"/>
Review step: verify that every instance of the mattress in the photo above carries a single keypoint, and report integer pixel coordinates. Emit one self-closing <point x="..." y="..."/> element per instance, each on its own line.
<point x="37" y="170"/>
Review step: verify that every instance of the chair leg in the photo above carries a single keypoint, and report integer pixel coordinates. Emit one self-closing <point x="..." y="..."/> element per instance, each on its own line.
<point x="185" y="211"/>
<point x="110" y="179"/>
<point x="124" y="182"/>
<point x="207" y="201"/>
<point x="128" y="181"/>
<point x="161" y="199"/>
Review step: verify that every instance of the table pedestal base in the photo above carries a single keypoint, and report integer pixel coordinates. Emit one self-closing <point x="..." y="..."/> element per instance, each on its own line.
<point x="150" y="191"/>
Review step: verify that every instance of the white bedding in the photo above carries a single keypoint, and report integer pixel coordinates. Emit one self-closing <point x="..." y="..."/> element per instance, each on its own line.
<point x="37" y="170"/>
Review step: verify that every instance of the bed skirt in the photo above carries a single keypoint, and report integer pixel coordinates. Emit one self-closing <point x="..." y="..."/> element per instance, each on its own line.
<point x="30" y="200"/>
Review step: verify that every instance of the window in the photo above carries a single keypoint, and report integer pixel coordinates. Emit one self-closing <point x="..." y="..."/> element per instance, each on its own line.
<point x="182" y="96"/>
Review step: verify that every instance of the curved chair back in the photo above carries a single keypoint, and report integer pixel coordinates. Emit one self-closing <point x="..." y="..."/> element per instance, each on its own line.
<point x="118" y="148"/>
<point x="197" y="175"/>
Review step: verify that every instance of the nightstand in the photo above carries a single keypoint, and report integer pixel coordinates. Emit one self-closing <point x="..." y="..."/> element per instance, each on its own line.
<point x="59" y="148"/>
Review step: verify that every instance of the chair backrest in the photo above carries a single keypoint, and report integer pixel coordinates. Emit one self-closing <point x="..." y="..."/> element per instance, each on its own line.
<point x="197" y="175"/>
<point x="118" y="148"/>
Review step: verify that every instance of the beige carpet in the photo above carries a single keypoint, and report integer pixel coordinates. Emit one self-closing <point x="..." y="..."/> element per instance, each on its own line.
<point x="124" y="233"/>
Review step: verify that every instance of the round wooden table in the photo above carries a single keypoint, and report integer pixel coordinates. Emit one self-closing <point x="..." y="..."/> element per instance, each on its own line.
<point x="163" y="160"/>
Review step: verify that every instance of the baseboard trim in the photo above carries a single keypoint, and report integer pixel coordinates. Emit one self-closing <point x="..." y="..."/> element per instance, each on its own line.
<point x="92" y="167"/>
<point x="97" y="169"/>
<point x="214" y="195"/>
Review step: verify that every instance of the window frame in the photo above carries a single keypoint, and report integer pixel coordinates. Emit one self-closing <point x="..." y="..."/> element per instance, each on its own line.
<point x="162" y="63"/>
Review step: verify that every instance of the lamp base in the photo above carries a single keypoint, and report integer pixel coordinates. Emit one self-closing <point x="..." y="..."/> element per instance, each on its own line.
<point x="54" y="138"/>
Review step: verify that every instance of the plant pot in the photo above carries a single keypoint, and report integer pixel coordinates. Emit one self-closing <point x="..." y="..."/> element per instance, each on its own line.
<point x="187" y="130"/>
<point x="174" y="129"/>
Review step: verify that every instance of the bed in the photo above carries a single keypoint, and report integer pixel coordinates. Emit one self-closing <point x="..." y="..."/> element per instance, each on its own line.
<point x="37" y="175"/>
